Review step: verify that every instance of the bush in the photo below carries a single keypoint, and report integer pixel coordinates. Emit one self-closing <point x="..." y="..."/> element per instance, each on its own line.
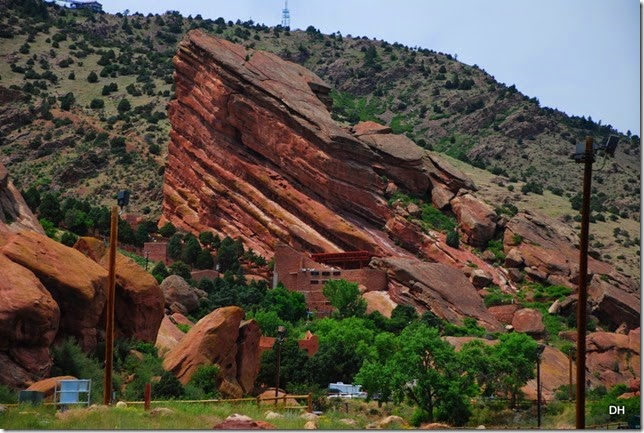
<point x="532" y="186"/>
<point x="124" y="106"/>
<point x="205" y="379"/>
<point x="7" y="395"/>
<point x="92" y="77"/>
<point x="69" y="359"/>
<point x="168" y="387"/>
<point x="68" y="239"/>
<point x="452" y="239"/>
<point x="97" y="103"/>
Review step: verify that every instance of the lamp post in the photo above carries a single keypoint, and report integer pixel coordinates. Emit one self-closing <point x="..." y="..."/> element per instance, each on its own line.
<point x="540" y="349"/>
<point x="585" y="155"/>
<point x="281" y="334"/>
<point x="123" y="198"/>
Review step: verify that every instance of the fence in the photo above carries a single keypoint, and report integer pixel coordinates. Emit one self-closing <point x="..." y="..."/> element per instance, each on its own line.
<point x="257" y="400"/>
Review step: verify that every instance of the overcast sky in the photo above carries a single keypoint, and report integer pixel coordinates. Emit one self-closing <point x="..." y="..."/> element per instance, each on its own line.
<point x="579" y="56"/>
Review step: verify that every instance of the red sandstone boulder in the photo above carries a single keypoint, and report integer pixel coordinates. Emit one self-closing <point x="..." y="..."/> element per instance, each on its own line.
<point x="215" y="339"/>
<point x="48" y="386"/>
<point x="380" y="302"/>
<point x="138" y="308"/>
<point x="441" y="196"/>
<point x="610" y="356"/>
<point x="248" y="354"/>
<point x="168" y="336"/>
<point x="528" y="321"/>
<point x="554" y="373"/>
<point x="504" y="313"/>
<point x="370" y="127"/>
<point x="476" y="219"/>
<point x="176" y="289"/>
<point x="481" y="278"/>
<point x="76" y="283"/>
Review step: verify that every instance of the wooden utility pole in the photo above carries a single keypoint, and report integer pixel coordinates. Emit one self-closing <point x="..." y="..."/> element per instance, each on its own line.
<point x="109" y="308"/>
<point x="583" y="288"/>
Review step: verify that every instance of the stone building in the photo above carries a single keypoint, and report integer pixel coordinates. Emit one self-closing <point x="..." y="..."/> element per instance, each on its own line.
<point x="306" y="274"/>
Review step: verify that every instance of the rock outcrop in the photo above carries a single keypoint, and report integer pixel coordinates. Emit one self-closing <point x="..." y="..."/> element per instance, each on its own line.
<point x="177" y="290"/>
<point x="446" y="291"/>
<point x="219" y="338"/>
<point x="14" y="212"/>
<point x="549" y="252"/>
<point x="254" y="153"/>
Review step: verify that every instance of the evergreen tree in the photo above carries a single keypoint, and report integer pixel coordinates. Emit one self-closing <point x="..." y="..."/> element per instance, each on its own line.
<point x="175" y="247"/>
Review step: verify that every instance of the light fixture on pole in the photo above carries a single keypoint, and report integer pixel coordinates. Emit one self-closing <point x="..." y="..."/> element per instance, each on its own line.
<point x="540" y="349"/>
<point x="281" y="335"/>
<point x="123" y="198"/>
<point x="585" y="154"/>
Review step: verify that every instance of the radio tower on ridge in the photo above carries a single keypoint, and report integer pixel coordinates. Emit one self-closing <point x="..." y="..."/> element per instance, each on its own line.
<point x="286" y="16"/>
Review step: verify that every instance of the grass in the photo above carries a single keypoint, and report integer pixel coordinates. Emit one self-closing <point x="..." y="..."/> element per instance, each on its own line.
<point x="187" y="416"/>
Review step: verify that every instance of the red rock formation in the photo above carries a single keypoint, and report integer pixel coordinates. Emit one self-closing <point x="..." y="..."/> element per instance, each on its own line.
<point x="138" y="308"/>
<point x="477" y="219"/>
<point x="254" y="153"/>
<point x="549" y="252"/>
<point x="14" y="212"/>
<point x="219" y="338"/>
<point x="529" y="321"/>
<point x="445" y="290"/>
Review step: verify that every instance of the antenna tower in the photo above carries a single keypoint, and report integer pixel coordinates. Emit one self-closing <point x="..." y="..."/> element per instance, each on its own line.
<point x="286" y="16"/>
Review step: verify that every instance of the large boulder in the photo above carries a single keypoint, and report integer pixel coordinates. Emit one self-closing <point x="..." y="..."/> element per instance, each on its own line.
<point x="477" y="220"/>
<point x="138" y="308"/>
<point x="176" y="289"/>
<point x="29" y="319"/>
<point x="612" y="357"/>
<point x="76" y="283"/>
<point x="529" y="321"/>
<point x="168" y="336"/>
<point x="215" y="339"/>
<point x="380" y="302"/>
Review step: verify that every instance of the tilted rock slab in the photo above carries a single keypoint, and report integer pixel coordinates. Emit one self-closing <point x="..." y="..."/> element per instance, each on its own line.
<point x="445" y="290"/>
<point x="219" y="338"/>
<point x="254" y="153"/>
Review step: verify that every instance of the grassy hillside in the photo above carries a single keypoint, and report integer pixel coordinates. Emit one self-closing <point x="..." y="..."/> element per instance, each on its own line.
<point x="65" y="131"/>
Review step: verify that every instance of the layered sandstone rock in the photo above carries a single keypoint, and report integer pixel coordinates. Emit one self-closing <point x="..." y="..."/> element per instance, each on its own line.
<point x="446" y="291"/>
<point x="219" y="338"/>
<point x="254" y="153"/>
<point x="549" y="252"/>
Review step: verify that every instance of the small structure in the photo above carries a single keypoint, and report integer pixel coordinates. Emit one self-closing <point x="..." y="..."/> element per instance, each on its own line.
<point x="72" y="391"/>
<point x="307" y="274"/>
<point x="345" y="388"/>
<point x="78" y="4"/>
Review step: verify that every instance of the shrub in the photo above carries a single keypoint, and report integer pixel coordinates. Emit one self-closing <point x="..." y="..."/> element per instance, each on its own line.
<point x="124" y="106"/>
<point x="68" y="239"/>
<point x="167" y="387"/>
<point x="97" y="103"/>
<point x="205" y="378"/>
<point x="7" y="395"/>
<point x="452" y="239"/>
<point x="69" y="359"/>
<point x="92" y="77"/>
<point x="532" y="186"/>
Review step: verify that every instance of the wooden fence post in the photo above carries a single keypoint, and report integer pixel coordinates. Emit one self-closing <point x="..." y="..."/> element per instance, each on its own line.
<point x="309" y="402"/>
<point x="146" y="395"/>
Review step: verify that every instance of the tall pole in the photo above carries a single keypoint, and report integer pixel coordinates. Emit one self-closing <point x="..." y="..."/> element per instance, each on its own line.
<point x="583" y="288"/>
<point x="277" y="369"/>
<point x="570" y="373"/>
<point x="539" y="393"/>
<point x="109" y="309"/>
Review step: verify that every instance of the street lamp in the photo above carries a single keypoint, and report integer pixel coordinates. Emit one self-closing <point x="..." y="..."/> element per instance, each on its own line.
<point x="586" y="155"/>
<point x="281" y="335"/>
<point x="122" y="199"/>
<point x="540" y="349"/>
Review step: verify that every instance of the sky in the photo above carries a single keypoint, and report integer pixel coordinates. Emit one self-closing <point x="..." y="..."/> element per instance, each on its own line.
<point x="579" y="56"/>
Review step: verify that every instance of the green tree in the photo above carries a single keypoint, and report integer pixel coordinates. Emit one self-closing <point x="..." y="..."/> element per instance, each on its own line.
<point x="205" y="378"/>
<point x="175" y="247"/>
<point x="160" y="272"/>
<point x="32" y="198"/>
<point x="97" y="103"/>
<point x="289" y="306"/>
<point x="346" y="297"/>
<point x="516" y="356"/>
<point x="167" y="387"/>
<point x="227" y="255"/>
<point x="167" y="230"/>
<point x="50" y="209"/>
<point x="181" y="269"/>
<point x="77" y="221"/>
<point x="66" y="101"/>
<point x="68" y="239"/>
<point x="206" y="238"/>
<point x="204" y="260"/>
<point x="124" y="105"/>
<point x="424" y="370"/>
<point x="92" y="77"/>
<point x="191" y="251"/>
